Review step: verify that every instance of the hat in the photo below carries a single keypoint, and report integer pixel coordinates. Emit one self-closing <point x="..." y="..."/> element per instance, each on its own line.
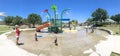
<point x="16" y="26"/>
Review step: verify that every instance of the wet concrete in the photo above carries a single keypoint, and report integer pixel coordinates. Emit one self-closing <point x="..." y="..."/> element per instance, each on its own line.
<point x="69" y="43"/>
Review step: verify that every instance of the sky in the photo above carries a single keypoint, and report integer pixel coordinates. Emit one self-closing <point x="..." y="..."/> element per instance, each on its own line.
<point x="81" y="10"/>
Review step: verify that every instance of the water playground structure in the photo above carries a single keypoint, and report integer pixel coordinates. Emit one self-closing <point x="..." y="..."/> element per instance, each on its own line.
<point x="55" y="23"/>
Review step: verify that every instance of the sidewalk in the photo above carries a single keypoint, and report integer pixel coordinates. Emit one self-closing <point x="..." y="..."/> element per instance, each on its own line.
<point x="8" y="48"/>
<point x="106" y="47"/>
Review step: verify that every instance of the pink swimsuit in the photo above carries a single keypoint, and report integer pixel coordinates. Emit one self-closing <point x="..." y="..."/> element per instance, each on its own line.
<point x="17" y="33"/>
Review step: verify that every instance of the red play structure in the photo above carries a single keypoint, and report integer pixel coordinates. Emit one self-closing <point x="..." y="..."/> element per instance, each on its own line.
<point x="42" y="26"/>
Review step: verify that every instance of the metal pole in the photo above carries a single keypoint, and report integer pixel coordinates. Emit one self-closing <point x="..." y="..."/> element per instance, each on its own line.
<point x="50" y="20"/>
<point x="62" y="15"/>
<point x="55" y="16"/>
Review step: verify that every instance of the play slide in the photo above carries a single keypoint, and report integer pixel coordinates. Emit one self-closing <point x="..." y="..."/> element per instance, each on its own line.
<point x="42" y="26"/>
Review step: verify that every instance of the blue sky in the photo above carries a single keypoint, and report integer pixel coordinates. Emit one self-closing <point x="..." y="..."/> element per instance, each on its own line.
<point x="80" y="9"/>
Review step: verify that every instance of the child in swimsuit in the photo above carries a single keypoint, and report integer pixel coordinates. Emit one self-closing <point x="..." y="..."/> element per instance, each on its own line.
<point x="17" y="34"/>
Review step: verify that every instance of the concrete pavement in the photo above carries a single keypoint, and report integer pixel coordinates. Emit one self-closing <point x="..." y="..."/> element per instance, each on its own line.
<point x="103" y="48"/>
<point x="106" y="47"/>
<point x="8" y="48"/>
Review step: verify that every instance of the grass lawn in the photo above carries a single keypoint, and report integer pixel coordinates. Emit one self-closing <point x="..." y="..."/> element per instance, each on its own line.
<point x="114" y="29"/>
<point x="114" y="54"/>
<point x="4" y="28"/>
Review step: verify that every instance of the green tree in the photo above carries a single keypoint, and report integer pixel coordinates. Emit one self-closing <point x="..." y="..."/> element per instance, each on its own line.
<point x="100" y="15"/>
<point x="24" y="21"/>
<point x="17" y="20"/>
<point x="116" y="18"/>
<point x="34" y="19"/>
<point x="90" y="20"/>
<point x="8" y="20"/>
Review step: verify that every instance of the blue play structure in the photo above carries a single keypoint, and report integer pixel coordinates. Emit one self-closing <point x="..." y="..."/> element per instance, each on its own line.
<point x="56" y="23"/>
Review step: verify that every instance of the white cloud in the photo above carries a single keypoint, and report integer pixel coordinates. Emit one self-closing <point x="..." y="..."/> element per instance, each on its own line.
<point x="3" y="14"/>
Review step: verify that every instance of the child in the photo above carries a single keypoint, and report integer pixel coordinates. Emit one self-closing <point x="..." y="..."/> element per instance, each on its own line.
<point x="17" y="34"/>
<point x="36" y="36"/>
<point x="55" y="38"/>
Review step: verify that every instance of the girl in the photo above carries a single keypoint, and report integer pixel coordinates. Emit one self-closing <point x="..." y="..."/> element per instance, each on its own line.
<point x="17" y="34"/>
<point x="36" y="36"/>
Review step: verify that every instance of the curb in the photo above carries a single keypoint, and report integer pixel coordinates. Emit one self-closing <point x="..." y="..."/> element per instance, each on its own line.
<point x="107" y="30"/>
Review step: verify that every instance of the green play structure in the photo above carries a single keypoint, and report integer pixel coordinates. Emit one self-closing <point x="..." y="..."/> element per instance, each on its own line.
<point x="56" y="23"/>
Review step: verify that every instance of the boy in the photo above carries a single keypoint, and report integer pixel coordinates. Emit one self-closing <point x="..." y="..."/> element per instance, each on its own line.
<point x="55" y="38"/>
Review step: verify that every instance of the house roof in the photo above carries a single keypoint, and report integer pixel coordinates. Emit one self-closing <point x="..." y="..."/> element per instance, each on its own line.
<point x="110" y="20"/>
